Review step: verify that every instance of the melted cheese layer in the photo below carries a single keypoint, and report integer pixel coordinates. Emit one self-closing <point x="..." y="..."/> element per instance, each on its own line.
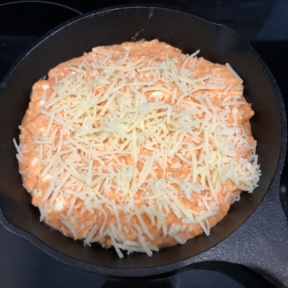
<point x="137" y="146"/>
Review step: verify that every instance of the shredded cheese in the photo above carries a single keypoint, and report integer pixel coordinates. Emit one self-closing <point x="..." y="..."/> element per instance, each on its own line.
<point x="130" y="144"/>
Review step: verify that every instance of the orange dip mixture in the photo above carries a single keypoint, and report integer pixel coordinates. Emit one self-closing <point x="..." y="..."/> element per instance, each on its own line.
<point x="137" y="146"/>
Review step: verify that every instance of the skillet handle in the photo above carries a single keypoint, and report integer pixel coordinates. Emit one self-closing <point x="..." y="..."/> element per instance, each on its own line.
<point x="232" y="275"/>
<point x="203" y="274"/>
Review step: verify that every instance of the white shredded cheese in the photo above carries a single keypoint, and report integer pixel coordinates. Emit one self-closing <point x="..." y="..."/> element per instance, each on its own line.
<point x="130" y="141"/>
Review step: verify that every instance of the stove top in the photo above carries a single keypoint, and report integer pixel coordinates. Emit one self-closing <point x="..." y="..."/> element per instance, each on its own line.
<point x="265" y="24"/>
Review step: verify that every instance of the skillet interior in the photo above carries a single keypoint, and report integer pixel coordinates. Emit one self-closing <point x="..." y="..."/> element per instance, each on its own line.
<point x="216" y="42"/>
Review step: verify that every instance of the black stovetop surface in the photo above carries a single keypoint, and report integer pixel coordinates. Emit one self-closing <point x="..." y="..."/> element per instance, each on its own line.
<point x="265" y="24"/>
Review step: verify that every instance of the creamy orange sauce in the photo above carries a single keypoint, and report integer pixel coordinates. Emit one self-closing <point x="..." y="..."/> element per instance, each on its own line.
<point x="217" y="86"/>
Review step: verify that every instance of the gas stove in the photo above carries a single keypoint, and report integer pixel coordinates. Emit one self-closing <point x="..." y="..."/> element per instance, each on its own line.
<point x="265" y="24"/>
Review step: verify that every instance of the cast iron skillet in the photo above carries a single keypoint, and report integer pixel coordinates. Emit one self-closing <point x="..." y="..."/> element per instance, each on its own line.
<point x="189" y="33"/>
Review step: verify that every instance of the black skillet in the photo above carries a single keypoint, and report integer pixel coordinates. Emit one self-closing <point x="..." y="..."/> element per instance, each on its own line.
<point x="189" y="33"/>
